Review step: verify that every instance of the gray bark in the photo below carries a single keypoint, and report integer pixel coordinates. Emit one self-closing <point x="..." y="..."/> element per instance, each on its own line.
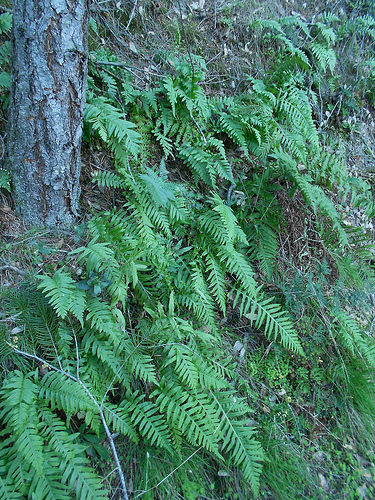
<point x="49" y="71"/>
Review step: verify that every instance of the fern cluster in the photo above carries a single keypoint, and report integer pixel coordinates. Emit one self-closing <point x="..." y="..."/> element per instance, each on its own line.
<point x="132" y="342"/>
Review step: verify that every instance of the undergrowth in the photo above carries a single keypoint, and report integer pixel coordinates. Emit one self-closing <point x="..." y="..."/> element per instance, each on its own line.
<point x="228" y="367"/>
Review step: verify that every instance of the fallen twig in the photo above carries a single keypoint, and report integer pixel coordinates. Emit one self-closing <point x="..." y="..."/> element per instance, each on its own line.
<point x="8" y="267"/>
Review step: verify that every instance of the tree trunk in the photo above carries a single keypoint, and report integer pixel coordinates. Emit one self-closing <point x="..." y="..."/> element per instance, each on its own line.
<point x="49" y="70"/>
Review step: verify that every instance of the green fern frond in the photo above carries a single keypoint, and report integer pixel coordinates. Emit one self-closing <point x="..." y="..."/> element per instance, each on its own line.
<point x="77" y="474"/>
<point x="206" y="306"/>
<point x="239" y="440"/>
<point x="353" y="337"/>
<point x="297" y="111"/>
<point x="263" y="244"/>
<point x="64" y="294"/>
<point x="69" y="396"/>
<point x="228" y="220"/>
<point x="264" y="312"/>
<point x="101" y="317"/>
<point x="109" y="179"/>
<point x="18" y="411"/>
<point x="96" y="256"/>
<point x="107" y="358"/>
<point x="194" y="415"/>
<point x="160" y="190"/>
<point x="233" y="126"/>
<point x="113" y="129"/>
<point x="183" y="360"/>
<point x="151" y="424"/>
<point x="7" y="489"/>
<point x="142" y="365"/>
<point x="119" y="417"/>
<point x="31" y="424"/>
<point x="6" y="20"/>
<point x="325" y="57"/>
<point x="207" y="163"/>
<point x="216" y="279"/>
<point x="4" y="180"/>
<point x="165" y="142"/>
<point x="239" y="266"/>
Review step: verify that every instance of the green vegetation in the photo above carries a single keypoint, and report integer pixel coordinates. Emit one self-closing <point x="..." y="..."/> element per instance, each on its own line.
<point x="217" y="314"/>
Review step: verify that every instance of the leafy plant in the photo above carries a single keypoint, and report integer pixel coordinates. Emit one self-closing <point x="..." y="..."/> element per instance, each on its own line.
<point x="136" y="341"/>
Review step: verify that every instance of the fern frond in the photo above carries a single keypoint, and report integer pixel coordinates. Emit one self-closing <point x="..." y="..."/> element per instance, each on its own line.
<point x="206" y="163"/>
<point x="142" y="365"/>
<point x="229" y="221"/>
<point x="146" y="416"/>
<point x="263" y="245"/>
<point x="101" y="318"/>
<point x="69" y="396"/>
<point x="239" y="440"/>
<point x="194" y="415"/>
<point x="109" y="179"/>
<point x="30" y="432"/>
<point x="64" y="294"/>
<point x="7" y="490"/>
<point x="264" y="312"/>
<point x="238" y="265"/>
<point x="4" y="179"/>
<point x="160" y="190"/>
<point x="119" y="417"/>
<point x="97" y="256"/>
<point x="108" y="358"/>
<point x="74" y="467"/>
<point x="216" y="279"/>
<point x="113" y="129"/>
<point x="325" y="57"/>
<point x="183" y="360"/>
<point x="353" y="337"/>
<point x="206" y="306"/>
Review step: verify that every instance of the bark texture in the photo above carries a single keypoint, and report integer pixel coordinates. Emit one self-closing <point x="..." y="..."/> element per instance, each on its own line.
<point x="49" y="72"/>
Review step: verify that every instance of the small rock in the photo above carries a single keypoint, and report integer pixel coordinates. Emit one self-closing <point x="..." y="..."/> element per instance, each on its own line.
<point x="238" y="346"/>
<point x="16" y="330"/>
<point x="323" y="482"/>
<point x="362" y="491"/>
<point x="319" y="455"/>
<point x="133" y="48"/>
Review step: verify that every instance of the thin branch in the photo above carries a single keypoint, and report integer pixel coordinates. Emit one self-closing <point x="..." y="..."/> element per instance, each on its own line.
<point x="131" y="14"/>
<point x="11" y="318"/>
<point x="54" y="347"/>
<point x="9" y="267"/>
<point x="2" y="147"/>
<point x="120" y="65"/>
<point x="200" y="130"/>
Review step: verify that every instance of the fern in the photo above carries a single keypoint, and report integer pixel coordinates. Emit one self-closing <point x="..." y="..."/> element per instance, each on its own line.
<point x="263" y="311"/>
<point x="31" y="424"/>
<point x="4" y="178"/>
<point x="112" y="127"/>
<point x="352" y="337"/>
<point x="134" y="341"/>
<point x="239" y="440"/>
<point x="208" y="162"/>
<point x="64" y="295"/>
